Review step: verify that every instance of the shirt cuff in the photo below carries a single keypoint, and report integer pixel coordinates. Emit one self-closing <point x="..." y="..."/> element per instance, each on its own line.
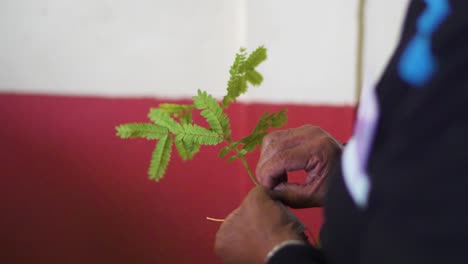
<point x="283" y="245"/>
<point x="295" y="251"/>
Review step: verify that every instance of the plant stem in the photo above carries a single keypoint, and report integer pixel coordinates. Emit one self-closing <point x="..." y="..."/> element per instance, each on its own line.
<point x="246" y="166"/>
<point x="244" y="162"/>
<point x="214" y="219"/>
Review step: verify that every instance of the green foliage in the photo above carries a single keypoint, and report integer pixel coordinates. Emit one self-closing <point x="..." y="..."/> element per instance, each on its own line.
<point x="213" y="113"/>
<point x="252" y="141"/>
<point x="176" y="109"/>
<point x="194" y="134"/>
<point x="186" y="118"/>
<point x="186" y="150"/>
<point x="173" y="123"/>
<point x="254" y="77"/>
<point x="241" y="153"/>
<point x="160" y="159"/>
<point x="256" y="57"/>
<point x="273" y="120"/>
<point x="243" y="71"/>
<point x="141" y="130"/>
<point x="266" y="122"/>
<point x="231" y="147"/>
<point x="162" y="118"/>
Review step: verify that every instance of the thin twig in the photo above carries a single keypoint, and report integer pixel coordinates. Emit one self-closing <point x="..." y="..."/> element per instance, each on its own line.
<point x="251" y="175"/>
<point x="214" y="219"/>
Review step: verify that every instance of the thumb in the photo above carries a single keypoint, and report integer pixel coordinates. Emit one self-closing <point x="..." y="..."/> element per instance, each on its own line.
<point x="296" y="195"/>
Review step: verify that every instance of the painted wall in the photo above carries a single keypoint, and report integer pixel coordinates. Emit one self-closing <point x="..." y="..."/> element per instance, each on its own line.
<point x="170" y="48"/>
<point x="72" y="192"/>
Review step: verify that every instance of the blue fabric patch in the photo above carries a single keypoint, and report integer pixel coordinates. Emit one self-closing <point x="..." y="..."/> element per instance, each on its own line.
<point x="436" y="12"/>
<point x="417" y="63"/>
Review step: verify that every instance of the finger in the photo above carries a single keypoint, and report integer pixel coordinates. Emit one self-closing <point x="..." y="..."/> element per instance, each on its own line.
<point x="273" y="170"/>
<point x="283" y="139"/>
<point x="300" y="196"/>
<point x="273" y="137"/>
<point x="258" y="194"/>
<point x="280" y="141"/>
<point x="273" y="181"/>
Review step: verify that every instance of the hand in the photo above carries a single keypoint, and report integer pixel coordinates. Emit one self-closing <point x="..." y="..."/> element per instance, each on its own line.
<point x="255" y="228"/>
<point x="307" y="148"/>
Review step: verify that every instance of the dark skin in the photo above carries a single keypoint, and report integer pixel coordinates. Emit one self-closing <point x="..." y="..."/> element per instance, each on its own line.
<point x="307" y="148"/>
<point x="252" y="230"/>
<point x="261" y="222"/>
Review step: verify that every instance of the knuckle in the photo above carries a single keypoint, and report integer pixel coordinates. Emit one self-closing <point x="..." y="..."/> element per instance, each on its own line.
<point x="312" y="129"/>
<point x="324" y="140"/>
<point x="274" y="146"/>
<point x="317" y="129"/>
<point x="269" y="138"/>
<point x="307" y="126"/>
<point x="270" y="147"/>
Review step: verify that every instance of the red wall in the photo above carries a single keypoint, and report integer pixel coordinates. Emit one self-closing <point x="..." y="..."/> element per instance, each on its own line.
<point x="71" y="192"/>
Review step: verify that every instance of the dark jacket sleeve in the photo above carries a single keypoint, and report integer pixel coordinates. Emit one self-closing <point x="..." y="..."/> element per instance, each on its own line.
<point x="418" y="205"/>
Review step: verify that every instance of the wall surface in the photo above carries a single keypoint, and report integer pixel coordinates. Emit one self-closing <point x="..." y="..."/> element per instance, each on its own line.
<point x="170" y="48"/>
<point x="70" y="71"/>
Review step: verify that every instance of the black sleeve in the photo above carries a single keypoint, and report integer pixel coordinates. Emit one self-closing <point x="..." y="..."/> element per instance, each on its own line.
<point x="418" y="206"/>
<point x="298" y="254"/>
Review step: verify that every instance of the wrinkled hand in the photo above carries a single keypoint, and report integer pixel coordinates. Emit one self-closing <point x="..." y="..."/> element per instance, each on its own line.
<point x="253" y="229"/>
<point x="307" y="148"/>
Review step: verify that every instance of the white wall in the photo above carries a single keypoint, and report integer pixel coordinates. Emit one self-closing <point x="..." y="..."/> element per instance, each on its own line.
<point x="312" y="49"/>
<point x="117" y="47"/>
<point x="171" y="48"/>
<point x="383" y="24"/>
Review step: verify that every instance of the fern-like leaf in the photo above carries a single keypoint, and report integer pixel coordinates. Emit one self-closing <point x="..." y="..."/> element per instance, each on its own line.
<point x="243" y="71"/>
<point x="273" y="120"/>
<point x="186" y="151"/>
<point x="265" y="122"/>
<point x="174" y="124"/>
<point x="194" y="134"/>
<point x="176" y="109"/>
<point x="141" y="130"/>
<point x="162" y="118"/>
<point x="213" y="113"/>
<point x="241" y="153"/>
<point x="236" y="82"/>
<point x="160" y="159"/>
<point x="252" y="141"/>
<point x="237" y="66"/>
<point x="231" y="147"/>
<point x="254" y="77"/>
<point x="186" y="118"/>
<point x="256" y="57"/>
